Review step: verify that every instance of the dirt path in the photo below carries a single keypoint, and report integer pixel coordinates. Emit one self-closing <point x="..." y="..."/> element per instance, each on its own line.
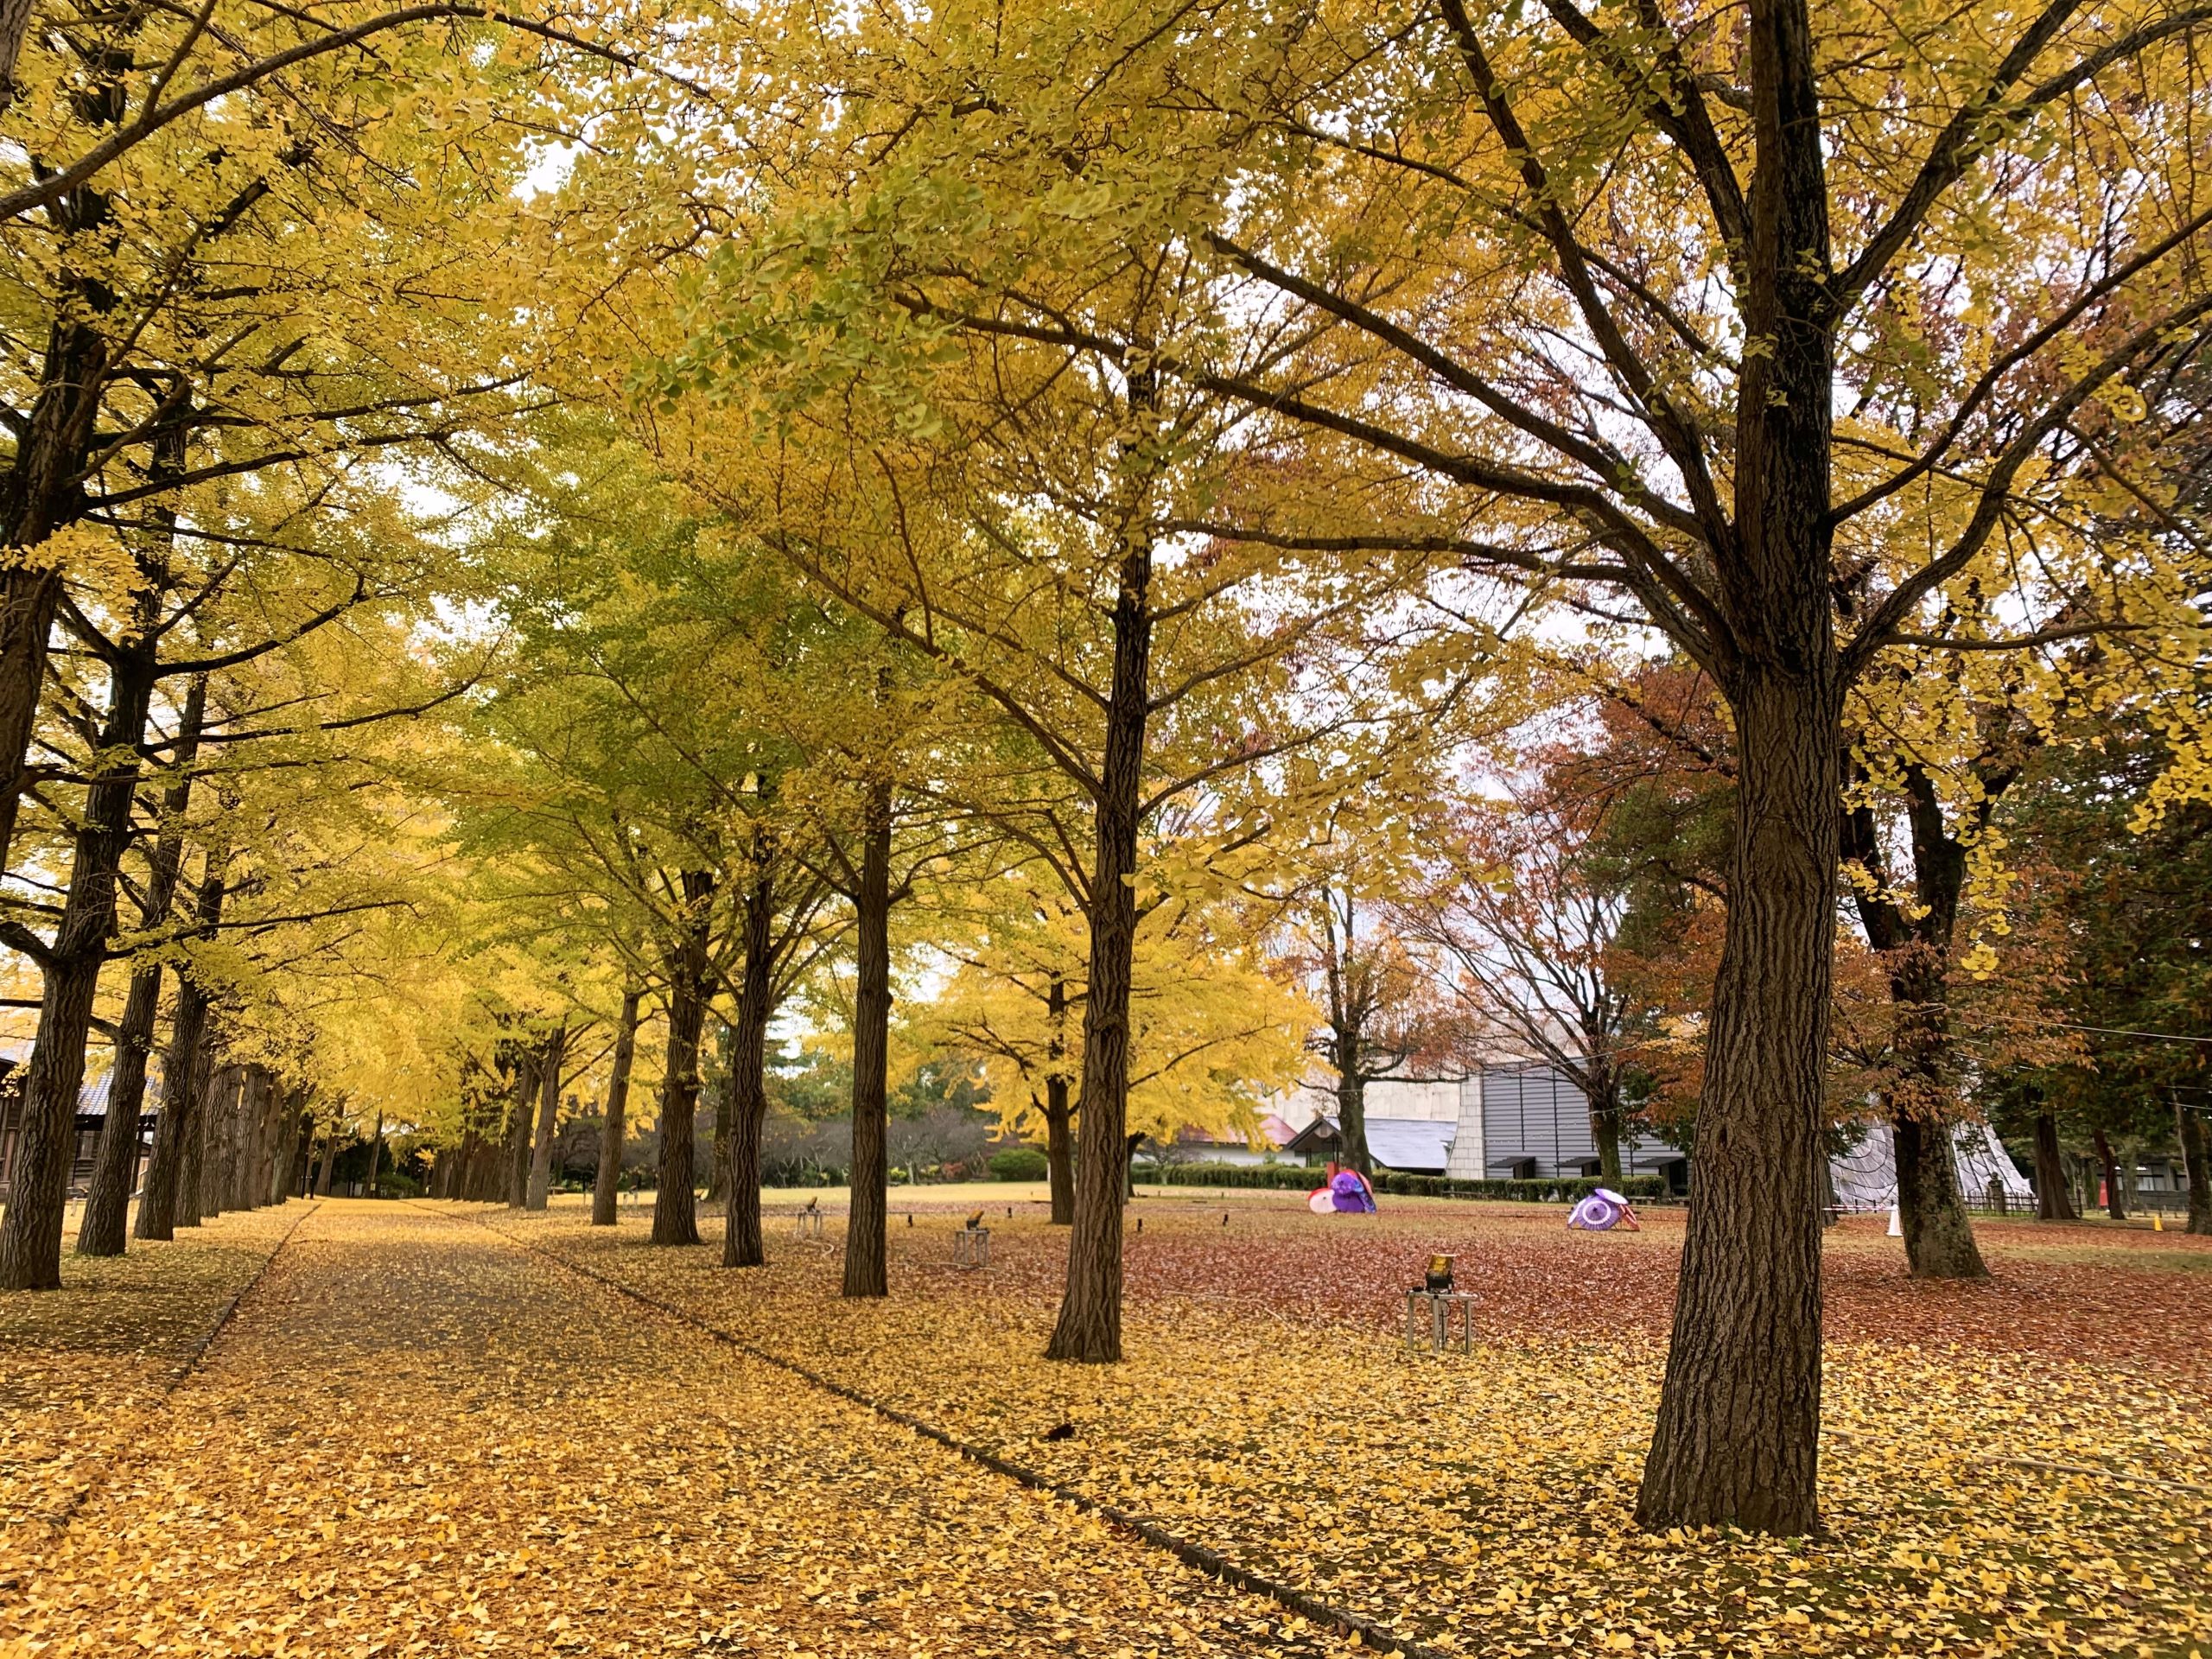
<point x="415" y="1437"/>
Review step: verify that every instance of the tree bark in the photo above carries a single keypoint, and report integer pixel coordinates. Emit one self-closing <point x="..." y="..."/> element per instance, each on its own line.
<point x="2115" y="1199"/>
<point x="1736" y="1440"/>
<point x="865" y="1244"/>
<point x="30" y="1229"/>
<point x="1089" y="1329"/>
<point x="676" y="1210"/>
<point x="182" y="1082"/>
<point x="1351" y="1107"/>
<point x="2197" y="1157"/>
<point x="1931" y="1212"/>
<point x="521" y="1108"/>
<point x="1059" y="1115"/>
<point x="1915" y="952"/>
<point x="2054" y="1194"/>
<point x="191" y="1164"/>
<point x="115" y="1162"/>
<point x="549" y="1109"/>
<point x="1604" y="1103"/>
<point x="742" y="1244"/>
<point x="604" y="1188"/>
<point x="1059" y="1151"/>
<point x="329" y="1162"/>
<point x="376" y="1157"/>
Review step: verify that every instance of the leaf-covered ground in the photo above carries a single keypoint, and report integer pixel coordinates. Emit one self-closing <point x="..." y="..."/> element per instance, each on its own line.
<point x="416" y="1438"/>
<point x="2024" y="1466"/>
<point x="85" y="1371"/>
<point x="422" y="1434"/>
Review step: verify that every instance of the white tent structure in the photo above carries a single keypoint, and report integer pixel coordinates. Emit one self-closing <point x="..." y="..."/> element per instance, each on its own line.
<point x="1866" y="1177"/>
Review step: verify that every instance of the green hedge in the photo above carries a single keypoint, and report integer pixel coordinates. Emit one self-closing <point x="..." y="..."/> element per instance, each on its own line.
<point x="1563" y="1189"/>
<point x="1302" y="1177"/>
<point x="1019" y="1164"/>
<point x="1559" y="1189"/>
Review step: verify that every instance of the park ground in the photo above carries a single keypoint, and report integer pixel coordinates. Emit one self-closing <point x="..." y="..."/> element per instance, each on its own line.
<point x="348" y="1428"/>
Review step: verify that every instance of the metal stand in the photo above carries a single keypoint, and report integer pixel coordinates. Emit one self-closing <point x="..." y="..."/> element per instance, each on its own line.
<point x="1428" y="1321"/>
<point x="971" y="1248"/>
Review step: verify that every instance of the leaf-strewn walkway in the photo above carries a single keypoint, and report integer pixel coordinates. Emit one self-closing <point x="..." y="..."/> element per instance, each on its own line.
<point x="415" y="1437"/>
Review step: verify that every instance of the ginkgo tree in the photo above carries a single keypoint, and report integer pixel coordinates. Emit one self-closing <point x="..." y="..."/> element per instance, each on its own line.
<point x="1781" y="338"/>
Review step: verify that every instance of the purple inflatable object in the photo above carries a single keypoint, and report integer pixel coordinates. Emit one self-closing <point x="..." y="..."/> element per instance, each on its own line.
<point x="1349" y="1195"/>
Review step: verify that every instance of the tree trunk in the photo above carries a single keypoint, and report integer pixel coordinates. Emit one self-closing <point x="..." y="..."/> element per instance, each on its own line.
<point x="30" y="1229"/>
<point x="2115" y="1199"/>
<point x="2054" y="1194"/>
<point x="329" y="1163"/>
<point x="1059" y="1151"/>
<point x="101" y="1230"/>
<point x="115" y="1162"/>
<point x="1089" y="1329"/>
<point x="192" y="1167"/>
<point x="376" y="1157"/>
<point x="603" y="1188"/>
<point x="1351" y="1107"/>
<point x="2197" y="1158"/>
<point x="1130" y="1145"/>
<point x="723" y="1114"/>
<point x="1604" y="1102"/>
<point x="742" y="1244"/>
<point x="675" y="1211"/>
<point x="549" y="1109"/>
<point x="1931" y="1211"/>
<point x="1738" y="1436"/>
<point x="1915" y="952"/>
<point x="521" y="1109"/>
<point x="865" y="1273"/>
<point x="176" y="1132"/>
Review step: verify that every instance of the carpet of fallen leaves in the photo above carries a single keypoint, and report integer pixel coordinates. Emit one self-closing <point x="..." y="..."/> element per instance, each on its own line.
<point x="83" y="1371"/>
<point x="2019" y="1467"/>
<point x="416" y="1437"/>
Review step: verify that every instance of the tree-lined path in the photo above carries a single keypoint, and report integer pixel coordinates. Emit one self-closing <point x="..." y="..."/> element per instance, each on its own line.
<point x="415" y="1436"/>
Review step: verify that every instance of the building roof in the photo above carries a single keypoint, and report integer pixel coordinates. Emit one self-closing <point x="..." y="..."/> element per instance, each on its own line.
<point x="1409" y="1143"/>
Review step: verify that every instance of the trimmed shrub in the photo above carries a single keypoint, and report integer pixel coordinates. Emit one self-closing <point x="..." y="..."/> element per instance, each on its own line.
<point x="1018" y="1164"/>
<point x="1304" y="1178"/>
<point x="1559" y="1189"/>
<point x="1298" y="1178"/>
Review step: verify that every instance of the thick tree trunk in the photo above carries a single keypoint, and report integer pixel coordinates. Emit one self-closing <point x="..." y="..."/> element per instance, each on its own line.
<point x="521" y="1108"/>
<point x="675" y="1211"/>
<point x="115" y="1161"/>
<point x="1059" y="1151"/>
<point x="102" y="1229"/>
<point x="2115" y="1198"/>
<point x="2054" y="1194"/>
<point x="1351" y="1108"/>
<point x="603" y="1189"/>
<point x="329" y="1163"/>
<point x="1059" y="1115"/>
<point x="865" y="1244"/>
<point x="1604" y="1102"/>
<point x="549" y="1109"/>
<point x="30" y="1229"/>
<point x="217" y="1129"/>
<point x="176" y="1132"/>
<point x="1089" y="1329"/>
<point x="1931" y="1211"/>
<point x="376" y="1158"/>
<point x="742" y="1244"/>
<point x="2197" y="1156"/>
<point x="1737" y="1437"/>
<point x="191" y="1165"/>
<point x="1915" y="952"/>
<point x="724" y="1113"/>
